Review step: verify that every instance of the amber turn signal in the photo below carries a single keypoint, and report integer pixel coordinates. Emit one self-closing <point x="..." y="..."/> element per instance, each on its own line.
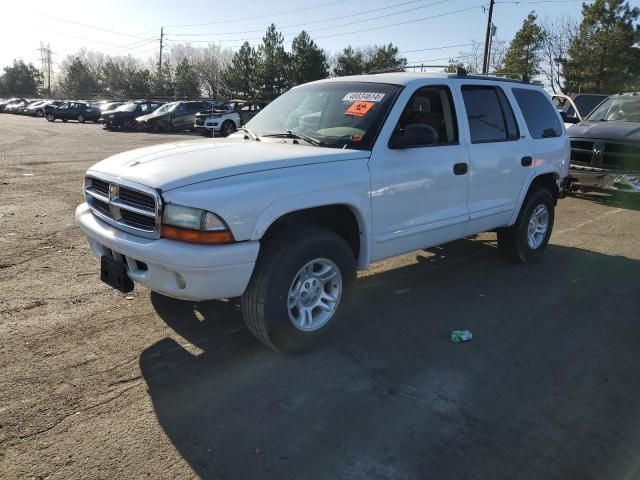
<point x="197" y="236"/>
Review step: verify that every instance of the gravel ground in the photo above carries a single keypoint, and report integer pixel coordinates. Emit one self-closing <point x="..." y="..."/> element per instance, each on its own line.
<point x="96" y="384"/>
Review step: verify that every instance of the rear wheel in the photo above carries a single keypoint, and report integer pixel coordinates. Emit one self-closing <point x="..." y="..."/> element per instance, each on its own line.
<point x="527" y="239"/>
<point x="300" y="289"/>
<point x="51" y="117"/>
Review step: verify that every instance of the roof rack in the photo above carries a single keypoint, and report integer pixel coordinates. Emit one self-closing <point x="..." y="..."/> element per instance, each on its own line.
<point x="459" y="70"/>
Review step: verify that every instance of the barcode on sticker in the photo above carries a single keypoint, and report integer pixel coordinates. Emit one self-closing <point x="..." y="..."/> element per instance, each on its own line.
<point x="366" y="96"/>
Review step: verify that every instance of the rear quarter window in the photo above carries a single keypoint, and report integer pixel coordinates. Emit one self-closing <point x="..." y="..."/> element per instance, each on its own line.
<point x="539" y="114"/>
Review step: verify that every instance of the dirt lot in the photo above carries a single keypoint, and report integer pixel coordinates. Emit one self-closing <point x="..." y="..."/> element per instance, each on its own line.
<point x="96" y="384"/>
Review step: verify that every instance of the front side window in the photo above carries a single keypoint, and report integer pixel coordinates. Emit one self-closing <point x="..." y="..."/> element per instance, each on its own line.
<point x="432" y="107"/>
<point x="540" y="116"/>
<point x="336" y="114"/>
<point x="490" y="116"/>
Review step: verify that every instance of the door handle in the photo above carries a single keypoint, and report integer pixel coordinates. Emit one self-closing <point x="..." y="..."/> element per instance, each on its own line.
<point x="460" y="168"/>
<point x="526" y="161"/>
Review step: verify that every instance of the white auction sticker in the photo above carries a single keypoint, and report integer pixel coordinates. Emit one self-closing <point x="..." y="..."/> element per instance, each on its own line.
<point x="367" y="96"/>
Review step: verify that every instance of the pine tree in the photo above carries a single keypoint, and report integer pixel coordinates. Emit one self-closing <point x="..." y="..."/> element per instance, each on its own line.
<point x="308" y="61"/>
<point x="21" y="79"/>
<point x="240" y="76"/>
<point x="603" y="57"/>
<point x="78" y="80"/>
<point x="524" y="53"/>
<point x="186" y="84"/>
<point x="384" y="58"/>
<point x="273" y="67"/>
<point x="349" y="62"/>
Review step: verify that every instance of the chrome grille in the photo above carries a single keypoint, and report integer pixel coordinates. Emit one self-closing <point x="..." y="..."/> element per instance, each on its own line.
<point x="605" y="154"/>
<point x="130" y="207"/>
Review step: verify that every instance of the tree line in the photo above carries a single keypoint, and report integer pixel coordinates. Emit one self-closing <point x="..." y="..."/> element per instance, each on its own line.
<point x="598" y="54"/>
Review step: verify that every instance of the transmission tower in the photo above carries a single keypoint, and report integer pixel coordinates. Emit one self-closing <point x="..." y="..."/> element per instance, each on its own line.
<point x="45" y="58"/>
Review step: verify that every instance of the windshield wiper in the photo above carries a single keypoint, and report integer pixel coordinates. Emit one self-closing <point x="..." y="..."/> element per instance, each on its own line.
<point x="297" y="136"/>
<point x="249" y="133"/>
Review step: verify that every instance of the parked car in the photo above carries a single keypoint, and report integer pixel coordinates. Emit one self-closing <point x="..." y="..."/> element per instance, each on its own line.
<point x="49" y="107"/>
<point x="35" y="109"/>
<point x="15" y="107"/>
<point x="10" y="103"/>
<point x="283" y="218"/>
<point x="74" y="110"/>
<point x="174" y="116"/>
<point x="106" y="106"/>
<point x="605" y="147"/>
<point x="125" y="115"/>
<point x="222" y="119"/>
<point x="574" y="108"/>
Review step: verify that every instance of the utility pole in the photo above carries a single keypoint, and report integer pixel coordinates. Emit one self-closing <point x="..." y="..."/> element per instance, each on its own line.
<point x="160" y="62"/>
<point x="485" y="63"/>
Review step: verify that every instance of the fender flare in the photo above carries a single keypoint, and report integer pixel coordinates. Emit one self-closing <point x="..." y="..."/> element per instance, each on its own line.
<point x="286" y="205"/>
<point x="527" y="185"/>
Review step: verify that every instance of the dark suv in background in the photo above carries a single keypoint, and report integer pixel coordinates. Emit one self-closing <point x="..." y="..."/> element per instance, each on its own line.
<point x="125" y="115"/>
<point x="75" y="110"/>
<point x="173" y="116"/>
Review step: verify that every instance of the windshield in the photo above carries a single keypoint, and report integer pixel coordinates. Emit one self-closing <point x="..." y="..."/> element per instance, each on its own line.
<point x="167" y="107"/>
<point x="338" y="114"/>
<point x="127" y="107"/>
<point x="621" y="109"/>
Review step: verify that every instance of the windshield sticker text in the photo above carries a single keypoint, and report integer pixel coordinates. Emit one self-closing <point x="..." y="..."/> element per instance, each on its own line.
<point x="367" y="96"/>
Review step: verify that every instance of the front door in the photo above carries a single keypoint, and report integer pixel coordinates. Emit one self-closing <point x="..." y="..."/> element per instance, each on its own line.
<point x="419" y="193"/>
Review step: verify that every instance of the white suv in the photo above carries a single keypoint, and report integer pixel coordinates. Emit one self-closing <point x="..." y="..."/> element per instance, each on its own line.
<point x="330" y="177"/>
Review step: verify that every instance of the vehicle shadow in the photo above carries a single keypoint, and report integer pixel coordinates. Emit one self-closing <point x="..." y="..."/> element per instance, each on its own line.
<point x="547" y="388"/>
<point x="621" y="200"/>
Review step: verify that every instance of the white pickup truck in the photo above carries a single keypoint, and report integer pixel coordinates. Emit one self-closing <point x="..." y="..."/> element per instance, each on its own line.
<point x="330" y="177"/>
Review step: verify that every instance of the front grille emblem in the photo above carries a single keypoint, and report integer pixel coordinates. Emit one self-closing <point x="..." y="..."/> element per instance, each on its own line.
<point x="596" y="157"/>
<point x="114" y="190"/>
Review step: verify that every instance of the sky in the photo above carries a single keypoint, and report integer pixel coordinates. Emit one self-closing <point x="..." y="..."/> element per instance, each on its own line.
<point x="426" y="31"/>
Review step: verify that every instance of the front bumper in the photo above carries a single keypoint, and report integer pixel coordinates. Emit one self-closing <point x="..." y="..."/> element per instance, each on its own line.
<point x="176" y="269"/>
<point x="606" y="180"/>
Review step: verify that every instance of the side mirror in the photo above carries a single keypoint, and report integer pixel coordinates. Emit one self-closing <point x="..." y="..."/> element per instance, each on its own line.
<point x="568" y="118"/>
<point x="413" y="135"/>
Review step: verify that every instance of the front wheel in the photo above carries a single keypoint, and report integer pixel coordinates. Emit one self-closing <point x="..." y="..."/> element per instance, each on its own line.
<point x="227" y="128"/>
<point x="527" y="239"/>
<point x="300" y="289"/>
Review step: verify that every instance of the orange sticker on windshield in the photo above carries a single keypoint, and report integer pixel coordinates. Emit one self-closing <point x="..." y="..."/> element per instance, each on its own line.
<point x="359" y="108"/>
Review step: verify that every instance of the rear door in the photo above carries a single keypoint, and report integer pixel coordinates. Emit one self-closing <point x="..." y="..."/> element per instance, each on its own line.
<point x="500" y="156"/>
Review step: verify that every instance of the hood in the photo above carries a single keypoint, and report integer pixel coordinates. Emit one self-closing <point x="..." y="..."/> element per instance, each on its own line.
<point x="173" y="165"/>
<point x="611" y="130"/>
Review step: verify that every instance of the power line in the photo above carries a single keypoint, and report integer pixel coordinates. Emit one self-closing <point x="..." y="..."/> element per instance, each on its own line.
<point x="438" y="48"/>
<point x="351" y="23"/>
<point x="283" y="12"/>
<point x="89" y="26"/>
<point x="341" y="17"/>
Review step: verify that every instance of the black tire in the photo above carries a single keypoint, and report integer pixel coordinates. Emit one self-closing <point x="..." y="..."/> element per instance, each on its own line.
<point x="227" y="128"/>
<point x="81" y="118"/>
<point x="39" y="113"/>
<point x="264" y="303"/>
<point x="51" y="117"/>
<point x="513" y="241"/>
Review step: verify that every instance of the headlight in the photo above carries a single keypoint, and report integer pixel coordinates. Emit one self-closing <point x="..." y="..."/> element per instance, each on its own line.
<point x="194" y="225"/>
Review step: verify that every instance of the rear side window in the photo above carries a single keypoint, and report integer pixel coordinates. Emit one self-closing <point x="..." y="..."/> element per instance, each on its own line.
<point x="490" y="116"/>
<point x="541" y="117"/>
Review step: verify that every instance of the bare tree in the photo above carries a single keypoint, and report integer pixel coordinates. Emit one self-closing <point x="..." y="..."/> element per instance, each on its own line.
<point x="558" y="35"/>
<point x="498" y="51"/>
<point x="209" y="63"/>
<point x="473" y="58"/>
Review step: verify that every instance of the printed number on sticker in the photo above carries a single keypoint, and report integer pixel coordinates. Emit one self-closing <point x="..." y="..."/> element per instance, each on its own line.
<point x="367" y="96"/>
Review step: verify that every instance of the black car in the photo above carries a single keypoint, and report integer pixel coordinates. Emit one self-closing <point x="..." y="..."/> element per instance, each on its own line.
<point x="75" y="110"/>
<point x="605" y="147"/>
<point x="174" y="116"/>
<point x="125" y="115"/>
<point x="38" y="109"/>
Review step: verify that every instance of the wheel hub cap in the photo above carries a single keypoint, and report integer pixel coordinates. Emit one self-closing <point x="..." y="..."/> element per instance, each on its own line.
<point x="538" y="226"/>
<point x="314" y="294"/>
